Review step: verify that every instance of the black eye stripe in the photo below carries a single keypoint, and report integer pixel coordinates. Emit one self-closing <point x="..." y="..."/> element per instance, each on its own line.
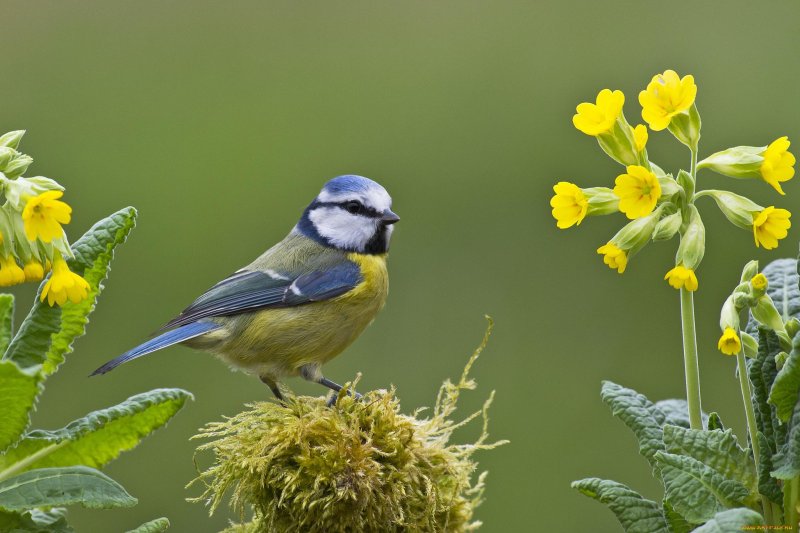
<point x="364" y="210"/>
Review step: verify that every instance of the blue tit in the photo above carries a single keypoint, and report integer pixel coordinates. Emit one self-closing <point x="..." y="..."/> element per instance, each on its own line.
<point x="303" y="301"/>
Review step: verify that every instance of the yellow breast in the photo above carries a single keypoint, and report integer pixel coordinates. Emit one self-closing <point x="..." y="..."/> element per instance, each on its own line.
<point x="278" y="342"/>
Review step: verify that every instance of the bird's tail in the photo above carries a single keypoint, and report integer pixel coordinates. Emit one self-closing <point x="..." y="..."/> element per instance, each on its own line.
<point x="183" y="333"/>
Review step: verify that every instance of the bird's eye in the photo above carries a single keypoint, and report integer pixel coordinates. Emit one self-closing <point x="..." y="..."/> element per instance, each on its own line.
<point x="353" y="207"/>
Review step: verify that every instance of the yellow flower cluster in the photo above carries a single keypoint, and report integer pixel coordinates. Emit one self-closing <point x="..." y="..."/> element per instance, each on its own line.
<point x="658" y="204"/>
<point x="31" y="234"/>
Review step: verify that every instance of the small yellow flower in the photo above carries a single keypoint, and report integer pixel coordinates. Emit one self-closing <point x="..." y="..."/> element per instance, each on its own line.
<point x="666" y="95"/>
<point x="614" y="257"/>
<point x="640" y="136"/>
<point x="778" y="165"/>
<point x="729" y="342"/>
<point x="10" y="272"/>
<point x="770" y="226"/>
<point x="43" y="216"/>
<point x="759" y="282"/>
<point x="569" y="204"/>
<point x="638" y="191"/>
<point x="64" y="285"/>
<point x="682" y="277"/>
<point x="594" y="119"/>
<point x="34" y="271"/>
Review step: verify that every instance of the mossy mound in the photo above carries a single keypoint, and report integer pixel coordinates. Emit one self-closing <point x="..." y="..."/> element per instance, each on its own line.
<point x="359" y="466"/>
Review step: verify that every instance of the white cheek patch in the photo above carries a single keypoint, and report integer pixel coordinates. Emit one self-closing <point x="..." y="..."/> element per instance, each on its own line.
<point x="342" y="229"/>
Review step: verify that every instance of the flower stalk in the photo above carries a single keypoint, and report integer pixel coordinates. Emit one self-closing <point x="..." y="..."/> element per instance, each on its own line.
<point x="690" y="360"/>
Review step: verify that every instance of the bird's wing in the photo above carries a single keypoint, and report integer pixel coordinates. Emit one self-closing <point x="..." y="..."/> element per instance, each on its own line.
<point x="254" y="289"/>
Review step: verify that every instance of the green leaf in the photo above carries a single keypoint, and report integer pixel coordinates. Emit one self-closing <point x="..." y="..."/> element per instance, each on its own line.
<point x="762" y="373"/>
<point x="786" y="461"/>
<point x="676" y="523"/>
<point x="36" y="521"/>
<point x="47" y="333"/>
<point x="639" y="414"/>
<point x="767" y="485"/>
<point x="6" y="320"/>
<point x="784" y="286"/>
<point x="783" y="394"/>
<point x="153" y="526"/>
<point x="731" y="521"/>
<point x="17" y="396"/>
<point x="676" y="411"/>
<point x="695" y="490"/>
<point x="717" y="449"/>
<point x="715" y="422"/>
<point x="100" y="436"/>
<point x="635" y="513"/>
<point x="48" y="487"/>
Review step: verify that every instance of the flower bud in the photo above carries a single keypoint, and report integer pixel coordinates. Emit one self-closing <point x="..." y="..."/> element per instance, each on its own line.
<point x="686" y="127"/>
<point x="686" y="181"/>
<point x="602" y="201"/>
<point x="18" y="190"/>
<point x="6" y="154"/>
<point x="12" y="138"/>
<point x="766" y="314"/>
<point x="693" y="241"/>
<point x="780" y="360"/>
<point x="636" y="234"/>
<point x="667" y="227"/>
<point x="669" y="187"/>
<point x="729" y="315"/>
<point x="738" y="209"/>
<point x="758" y="285"/>
<point x="792" y="327"/>
<point x="736" y="162"/>
<point x="750" y="344"/>
<point x="619" y="143"/>
<point x="750" y="270"/>
<point x="17" y="166"/>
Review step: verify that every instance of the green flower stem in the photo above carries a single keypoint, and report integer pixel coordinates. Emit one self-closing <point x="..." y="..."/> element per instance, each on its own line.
<point x="791" y="512"/>
<point x="747" y="398"/>
<point x="690" y="363"/>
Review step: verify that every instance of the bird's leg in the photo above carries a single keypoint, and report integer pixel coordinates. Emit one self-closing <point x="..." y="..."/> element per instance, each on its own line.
<point x="273" y="386"/>
<point x="313" y="374"/>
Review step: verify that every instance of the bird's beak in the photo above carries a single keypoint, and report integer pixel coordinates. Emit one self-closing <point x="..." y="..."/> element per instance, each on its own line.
<point x="389" y="217"/>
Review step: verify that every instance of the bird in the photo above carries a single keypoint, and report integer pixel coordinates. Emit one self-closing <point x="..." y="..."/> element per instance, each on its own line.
<point x="303" y="301"/>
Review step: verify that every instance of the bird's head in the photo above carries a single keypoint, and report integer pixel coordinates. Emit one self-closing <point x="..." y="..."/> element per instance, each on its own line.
<point x="350" y="213"/>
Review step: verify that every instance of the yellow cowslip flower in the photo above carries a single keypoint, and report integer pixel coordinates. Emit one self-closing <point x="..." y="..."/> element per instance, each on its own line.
<point x="597" y="118"/>
<point x="638" y="191"/>
<point x="34" y="271"/>
<point x="64" y="285"/>
<point x="43" y="215"/>
<point x="666" y="95"/>
<point x="569" y="204"/>
<point x="729" y="342"/>
<point x="682" y="277"/>
<point x="10" y="272"/>
<point x="614" y="257"/>
<point x="759" y="282"/>
<point x="778" y="165"/>
<point x="640" y="136"/>
<point x="770" y="226"/>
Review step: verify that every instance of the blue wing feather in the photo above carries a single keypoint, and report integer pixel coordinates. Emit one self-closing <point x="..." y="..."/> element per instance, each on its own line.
<point x="169" y="338"/>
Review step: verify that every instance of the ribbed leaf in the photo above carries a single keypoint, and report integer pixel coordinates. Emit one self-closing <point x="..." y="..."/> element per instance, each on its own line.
<point x="639" y="414"/>
<point x="784" y="392"/>
<point x="695" y="490"/>
<point x="18" y="391"/>
<point x="762" y="373"/>
<point x="676" y="523"/>
<point x="767" y="485"/>
<point x="718" y="450"/>
<point x="36" y="521"/>
<point x="676" y="411"/>
<point x="787" y="461"/>
<point x="635" y="513"/>
<point x="6" y="320"/>
<point x="100" y="436"/>
<point x="153" y="526"/>
<point x="47" y="333"/>
<point x="714" y="422"/>
<point x="48" y="487"/>
<point x="732" y="521"/>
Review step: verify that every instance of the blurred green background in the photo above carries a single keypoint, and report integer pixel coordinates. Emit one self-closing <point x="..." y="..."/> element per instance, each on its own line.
<point x="220" y="121"/>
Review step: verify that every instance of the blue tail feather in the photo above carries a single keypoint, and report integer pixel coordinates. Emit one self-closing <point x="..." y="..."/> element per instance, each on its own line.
<point x="183" y="333"/>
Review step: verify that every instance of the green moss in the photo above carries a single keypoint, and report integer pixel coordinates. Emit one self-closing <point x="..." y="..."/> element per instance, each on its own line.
<point x="360" y="466"/>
